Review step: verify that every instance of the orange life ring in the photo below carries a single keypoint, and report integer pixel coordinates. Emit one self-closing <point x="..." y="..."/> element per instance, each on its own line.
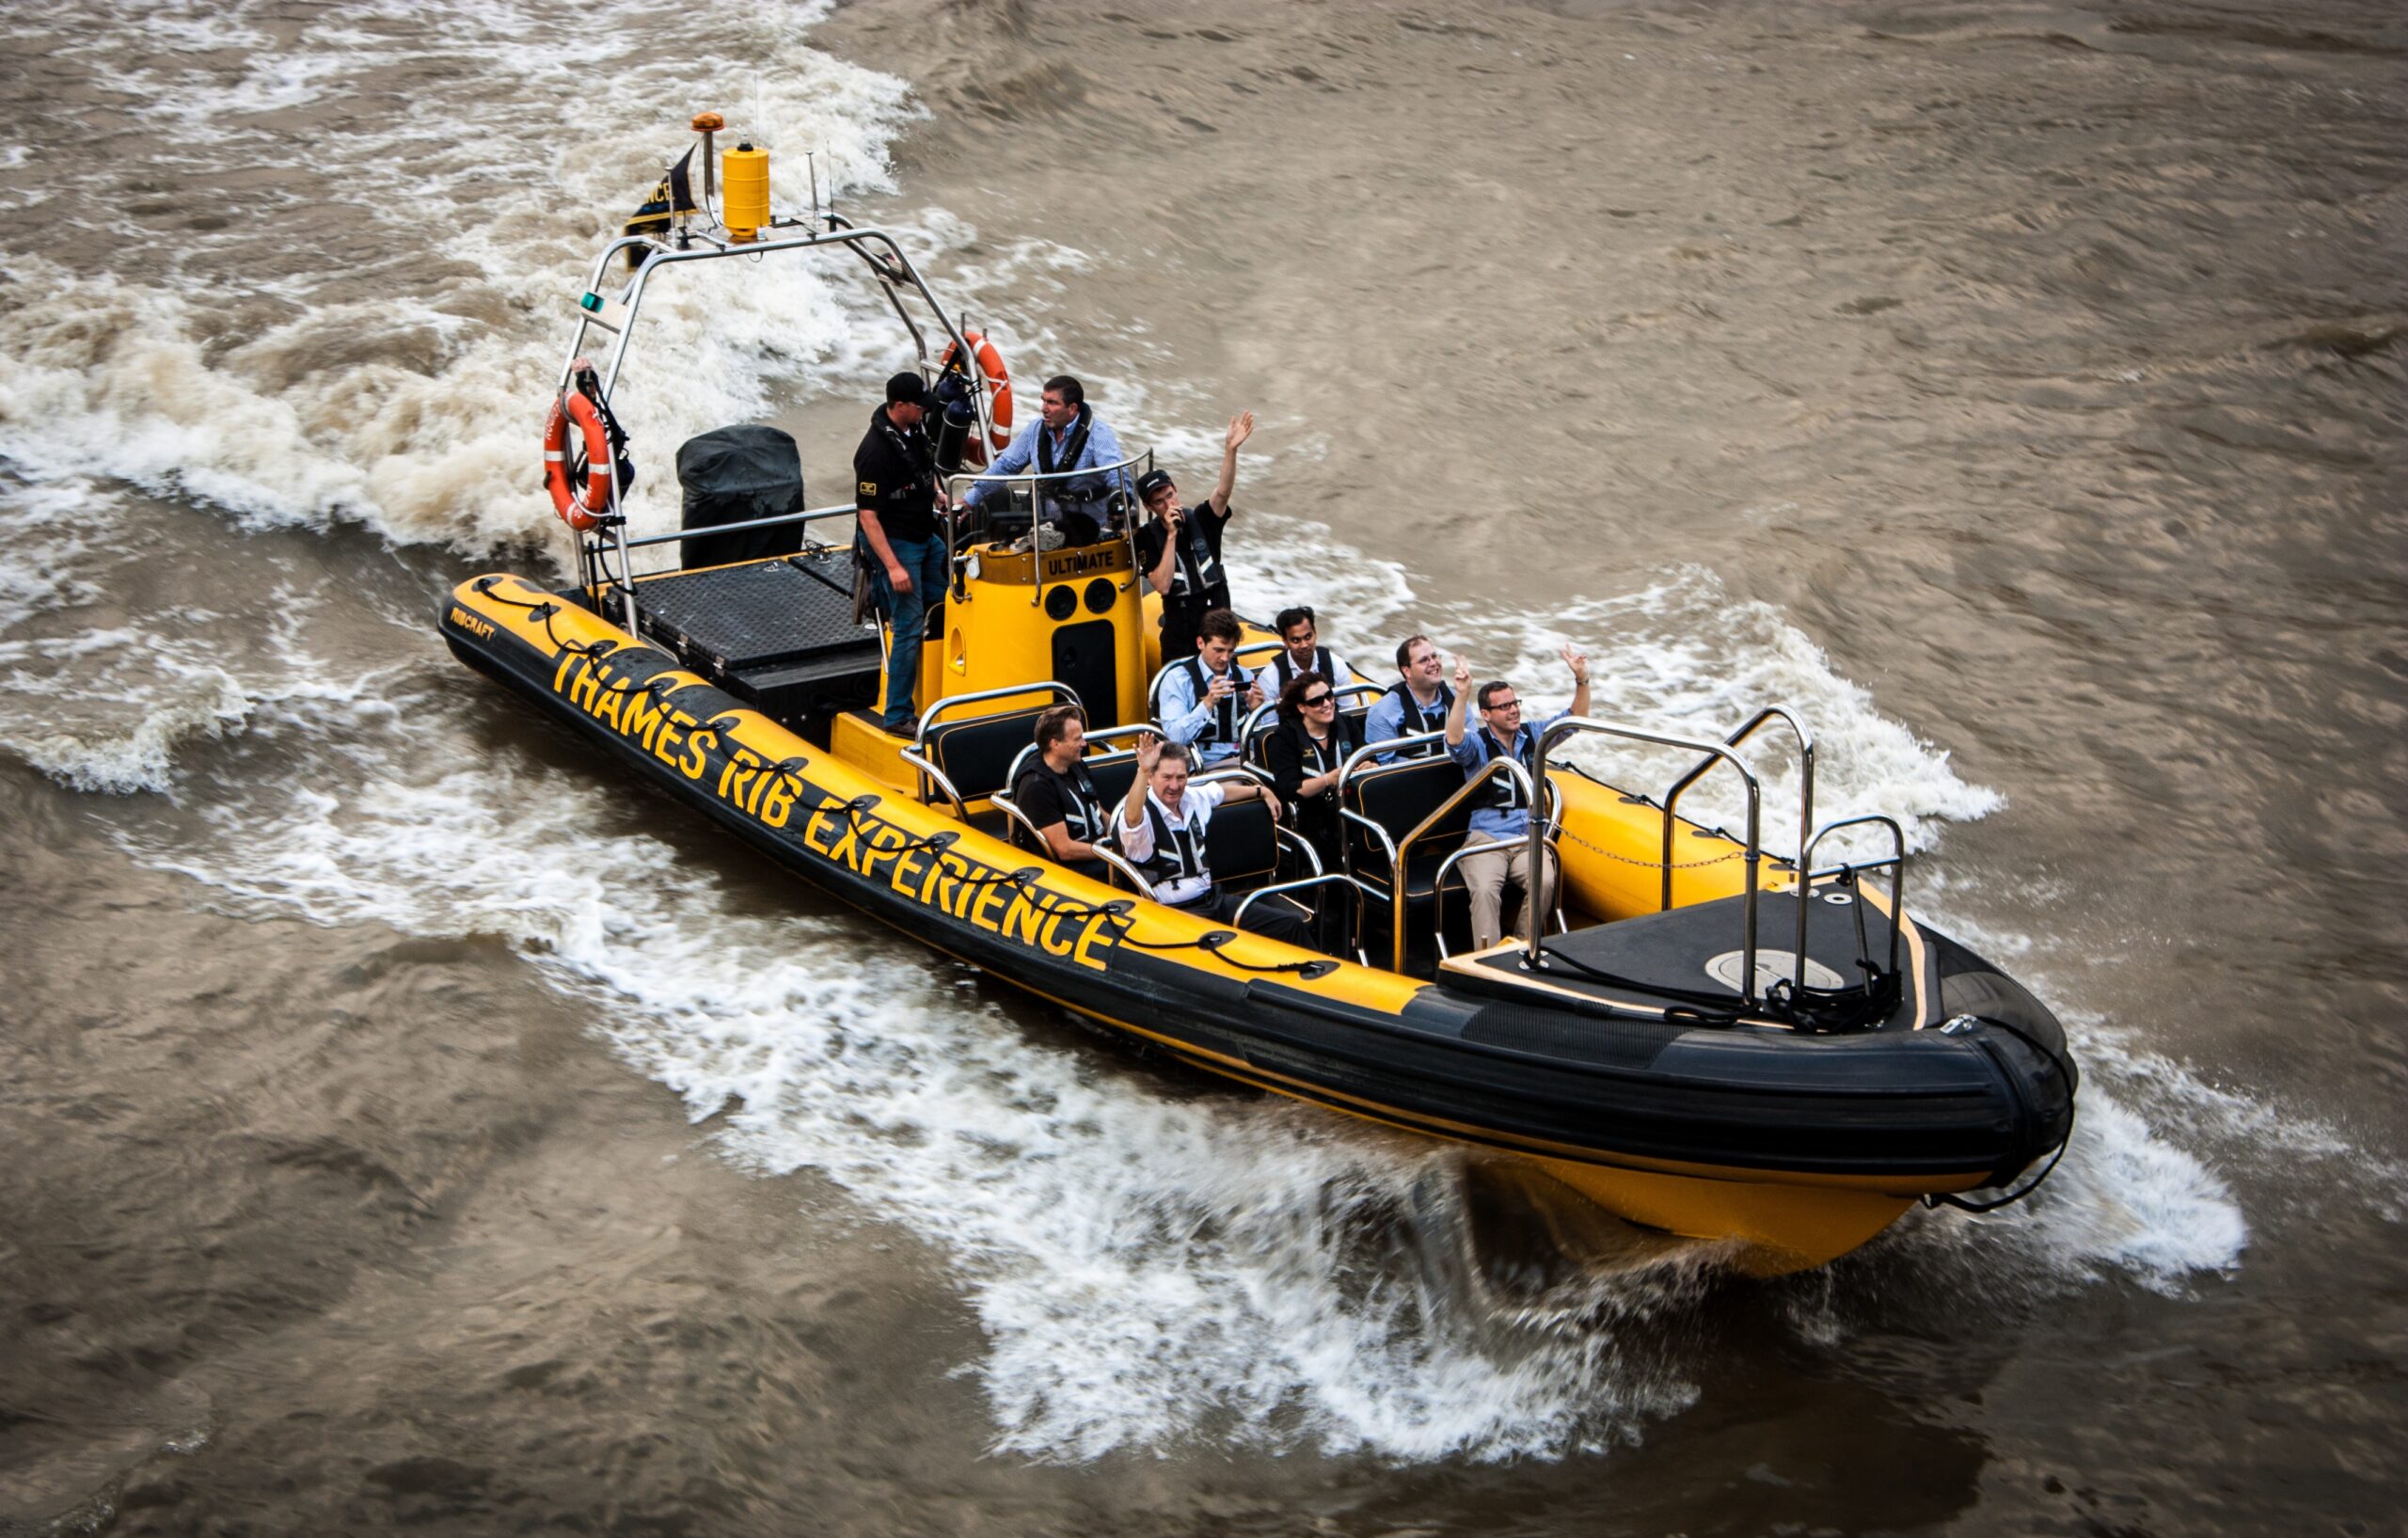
<point x="583" y="511"/>
<point x="999" y="387"/>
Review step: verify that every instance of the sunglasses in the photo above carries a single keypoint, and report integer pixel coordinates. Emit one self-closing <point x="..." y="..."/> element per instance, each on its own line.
<point x="1318" y="699"/>
<point x="1506" y="705"/>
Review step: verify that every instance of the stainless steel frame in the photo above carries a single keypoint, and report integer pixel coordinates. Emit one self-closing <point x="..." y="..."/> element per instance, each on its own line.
<point x="1402" y="850"/>
<point x="1807" y="874"/>
<point x="1747" y="730"/>
<point x="1533" y="956"/>
<point x="875" y="247"/>
<point x="916" y="755"/>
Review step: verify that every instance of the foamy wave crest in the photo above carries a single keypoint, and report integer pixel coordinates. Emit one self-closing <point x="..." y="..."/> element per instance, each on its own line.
<point x="1679" y="655"/>
<point x="410" y="401"/>
<point x="1147" y="1269"/>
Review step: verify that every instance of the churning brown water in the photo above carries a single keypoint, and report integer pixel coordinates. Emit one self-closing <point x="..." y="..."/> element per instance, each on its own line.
<point x="402" y="1124"/>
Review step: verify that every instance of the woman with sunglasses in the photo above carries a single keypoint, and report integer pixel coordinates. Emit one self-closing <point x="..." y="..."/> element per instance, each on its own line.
<point x="1304" y="754"/>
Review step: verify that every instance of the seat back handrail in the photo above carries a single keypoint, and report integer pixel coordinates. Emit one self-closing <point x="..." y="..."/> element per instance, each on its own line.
<point x="1154" y="689"/>
<point x="1044" y="686"/>
<point x="1512" y="769"/>
<point x="1236" y="918"/>
<point x="1268" y="707"/>
<point x="1113" y="859"/>
<point x="1455" y="857"/>
<point x="1570" y="726"/>
<point x="1698" y="771"/>
<point x="1020" y="760"/>
<point x="928" y="772"/>
<point x="1372" y="752"/>
<point x="1806" y="873"/>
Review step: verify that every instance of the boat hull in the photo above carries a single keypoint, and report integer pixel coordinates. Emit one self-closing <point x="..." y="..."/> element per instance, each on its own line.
<point x="1797" y="1149"/>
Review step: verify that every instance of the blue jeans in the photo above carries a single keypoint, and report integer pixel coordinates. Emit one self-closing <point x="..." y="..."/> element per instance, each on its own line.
<point x="906" y="615"/>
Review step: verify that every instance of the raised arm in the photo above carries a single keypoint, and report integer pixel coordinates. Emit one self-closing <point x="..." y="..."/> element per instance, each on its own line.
<point x="1455" y="706"/>
<point x="1240" y="429"/>
<point x="1136" y="832"/>
<point x="1578" y="662"/>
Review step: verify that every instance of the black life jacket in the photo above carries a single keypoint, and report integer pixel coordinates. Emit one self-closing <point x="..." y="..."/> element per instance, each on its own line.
<point x="1415" y="720"/>
<point x="1179" y="852"/>
<point x="1083" y="817"/>
<point x="1195" y="575"/>
<point x="1502" y="793"/>
<point x="1321" y="757"/>
<point x="1073" y="449"/>
<point x="1224" y="725"/>
<point x="1287" y="667"/>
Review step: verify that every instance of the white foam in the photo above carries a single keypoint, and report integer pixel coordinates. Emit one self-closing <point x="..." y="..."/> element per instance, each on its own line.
<point x="424" y="429"/>
<point x="1147" y="1269"/>
<point x="1145" y="1266"/>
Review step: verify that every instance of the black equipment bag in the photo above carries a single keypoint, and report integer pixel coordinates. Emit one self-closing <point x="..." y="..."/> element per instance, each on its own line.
<point x="735" y="475"/>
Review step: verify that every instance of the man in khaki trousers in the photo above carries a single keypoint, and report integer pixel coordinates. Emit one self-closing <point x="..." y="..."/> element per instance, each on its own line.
<point x="1502" y="813"/>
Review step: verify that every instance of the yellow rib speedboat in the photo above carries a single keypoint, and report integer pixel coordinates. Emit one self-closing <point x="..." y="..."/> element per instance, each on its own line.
<point x="1704" y="1039"/>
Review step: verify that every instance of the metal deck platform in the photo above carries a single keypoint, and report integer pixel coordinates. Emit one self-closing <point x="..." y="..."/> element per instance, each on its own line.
<point x="779" y="633"/>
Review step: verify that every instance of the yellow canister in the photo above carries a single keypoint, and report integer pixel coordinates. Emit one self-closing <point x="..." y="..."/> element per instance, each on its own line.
<point x="744" y="183"/>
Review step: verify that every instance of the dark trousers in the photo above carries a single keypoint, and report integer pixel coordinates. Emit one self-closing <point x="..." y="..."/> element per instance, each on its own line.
<point x="1180" y="621"/>
<point x="1275" y="917"/>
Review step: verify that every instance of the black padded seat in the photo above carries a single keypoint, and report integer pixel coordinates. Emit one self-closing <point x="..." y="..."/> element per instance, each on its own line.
<point x="1397" y="796"/>
<point x="1242" y="845"/>
<point x="977" y="751"/>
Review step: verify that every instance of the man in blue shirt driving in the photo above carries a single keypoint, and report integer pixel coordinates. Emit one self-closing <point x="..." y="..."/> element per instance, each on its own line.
<point x="1067" y="436"/>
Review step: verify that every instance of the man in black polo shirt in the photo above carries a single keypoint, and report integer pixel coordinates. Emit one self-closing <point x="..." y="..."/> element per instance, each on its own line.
<point x="1057" y="795"/>
<point x="1179" y="550"/>
<point x="897" y="496"/>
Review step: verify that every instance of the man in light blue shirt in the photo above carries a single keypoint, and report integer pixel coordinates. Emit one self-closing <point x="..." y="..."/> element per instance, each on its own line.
<point x="1502" y="815"/>
<point x="1205" y="700"/>
<point x="1417" y="702"/>
<point x="1068" y="436"/>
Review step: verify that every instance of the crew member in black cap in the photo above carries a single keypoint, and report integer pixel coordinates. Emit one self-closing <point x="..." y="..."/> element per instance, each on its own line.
<point x="898" y="496"/>
<point x="1179" y="550"/>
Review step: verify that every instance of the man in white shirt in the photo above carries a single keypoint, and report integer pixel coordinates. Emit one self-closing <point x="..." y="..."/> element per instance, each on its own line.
<point x="1161" y="827"/>
<point x="1300" y="652"/>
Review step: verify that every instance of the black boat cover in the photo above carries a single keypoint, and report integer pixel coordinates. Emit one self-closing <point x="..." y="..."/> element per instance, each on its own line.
<point x="734" y="475"/>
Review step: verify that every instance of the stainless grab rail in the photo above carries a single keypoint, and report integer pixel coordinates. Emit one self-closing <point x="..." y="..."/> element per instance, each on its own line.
<point x="1747" y="730"/>
<point x="1236" y="918"/>
<point x="1047" y="686"/>
<point x="1111" y="857"/>
<point x="944" y="780"/>
<point x="1254" y="718"/>
<point x="1438" y="889"/>
<point x="807" y="515"/>
<point x="1806" y="874"/>
<point x="1533" y="956"/>
<point x="1116" y="473"/>
<point x="1404" y="847"/>
<point x="1384" y="748"/>
<point x="917" y="753"/>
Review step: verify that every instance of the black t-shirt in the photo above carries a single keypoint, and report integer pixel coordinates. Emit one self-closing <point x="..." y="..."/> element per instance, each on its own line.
<point x="1183" y="594"/>
<point x="1049" y="797"/>
<point x="895" y="477"/>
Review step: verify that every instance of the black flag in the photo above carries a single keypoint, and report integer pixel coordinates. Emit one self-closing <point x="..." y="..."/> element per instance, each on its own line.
<point x="673" y="196"/>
